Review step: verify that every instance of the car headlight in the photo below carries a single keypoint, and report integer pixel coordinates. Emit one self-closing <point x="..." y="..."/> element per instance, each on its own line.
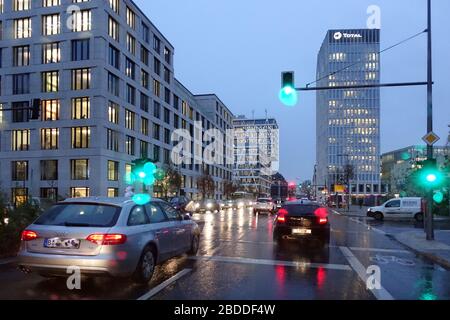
<point x="250" y="203"/>
<point x="209" y="205"/>
<point x="240" y="204"/>
<point x="197" y="205"/>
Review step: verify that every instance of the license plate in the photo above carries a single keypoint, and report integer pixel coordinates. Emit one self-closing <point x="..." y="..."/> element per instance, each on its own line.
<point x="62" y="243"/>
<point x="301" y="231"/>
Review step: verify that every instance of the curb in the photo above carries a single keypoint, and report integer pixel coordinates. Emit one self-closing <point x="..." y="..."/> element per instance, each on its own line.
<point x="431" y="256"/>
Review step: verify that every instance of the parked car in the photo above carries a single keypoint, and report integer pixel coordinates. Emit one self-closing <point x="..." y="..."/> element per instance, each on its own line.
<point x="404" y="208"/>
<point x="182" y="203"/>
<point x="296" y="221"/>
<point x="206" y="205"/>
<point x="107" y="237"/>
<point x="264" y="205"/>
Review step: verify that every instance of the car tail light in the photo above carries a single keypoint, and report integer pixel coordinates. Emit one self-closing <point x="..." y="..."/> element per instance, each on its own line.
<point x="29" y="235"/>
<point x="107" y="239"/>
<point x="282" y="213"/>
<point x="322" y="215"/>
<point x="323" y="220"/>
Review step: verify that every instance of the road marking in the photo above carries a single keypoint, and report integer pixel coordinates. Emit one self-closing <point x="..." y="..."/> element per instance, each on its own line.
<point x="381" y="294"/>
<point x="245" y="241"/>
<point x="381" y="250"/>
<point x="164" y="284"/>
<point x="272" y="262"/>
<point x="369" y="227"/>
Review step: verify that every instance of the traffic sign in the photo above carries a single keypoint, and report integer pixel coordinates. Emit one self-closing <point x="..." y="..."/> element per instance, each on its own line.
<point x="431" y="138"/>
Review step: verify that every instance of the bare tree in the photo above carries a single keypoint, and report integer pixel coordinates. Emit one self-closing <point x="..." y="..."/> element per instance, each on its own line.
<point x="206" y="185"/>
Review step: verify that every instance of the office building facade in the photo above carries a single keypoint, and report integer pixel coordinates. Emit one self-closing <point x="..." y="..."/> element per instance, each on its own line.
<point x="348" y="120"/>
<point x="105" y="77"/>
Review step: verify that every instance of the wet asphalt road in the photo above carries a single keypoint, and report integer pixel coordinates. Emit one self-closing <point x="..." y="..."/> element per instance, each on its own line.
<point x="237" y="260"/>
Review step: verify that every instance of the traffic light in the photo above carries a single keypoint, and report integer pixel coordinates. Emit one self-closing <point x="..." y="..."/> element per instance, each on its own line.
<point x="438" y="197"/>
<point x="288" y="94"/>
<point x="143" y="171"/>
<point x="36" y="109"/>
<point x="429" y="175"/>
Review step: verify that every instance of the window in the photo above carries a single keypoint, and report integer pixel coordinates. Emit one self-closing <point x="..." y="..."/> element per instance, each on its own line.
<point x="80" y="49"/>
<point x="176" y="102"/>
<point x="22" y="28"/>
<point x="129" y="119"/>
<point x="81" y="137"/>
<point x="113" y="192"/>
<point x="21" y="83"/>
<point x="20" y="112"/>
<point x="115" y="5"/>
<point x="19" y="170"/>
<point x="112" y="140"/>
<point x="131" y="44"/>
<point x="156" y="131"/>
<point x="19" y="196"/>
<point x="114" y="57"/>
<point x="156" y="110"/>
<point x="145" y="80"/>
<point x="156" y="88"/>
<point x="167" y="136"/>
<point x="393" y="204"/>
<point x="155" y="213"/>
<point x="145" y="33"/>
<point x="176" y="121"/>
<point x="51" y="25"/>
<point x="79" y="192"/>
<point x="81" y="79"/>
<point x="50" y="81"/>
<point x="20" y="140"/>
<point x="144" y="126"/>
<point x="131" y="95"/>
<point x="145" y="102"/>
<point x="167" y="55"/>
<point x="21" y="5"/>
<point x="130" y="145"/>
<point x="157" y="44"/>
<point x="113" y="84"/>
<point x="21" y="56"/>
<point x="81" y="21"/>
<point x="113" y="112"/>
<point x="51" y="53"/>
<point x="167" y="75"/>
<point x="49" y="139"/>
<point x="143" y="149"/>
<point x="166" y="115"/>
<point x="167" y="95"/>
<point x="49" y="170"/>
<point x="50" y="110"/>
<point x="81" y="108"/>
<point x="131" y="19"/>
<point x="145" y="55"/>
<point x="113" y="29"/>
<point x="79" y="169"/>
<point x="166" y="156"/>
<point x="156" y="153"/>
<point x="113" y="171"/>
<point x="157" y="66"/>
<point x="50" y="3"/>
<point x="138" y="217"/>
<point x="130" y="69"/>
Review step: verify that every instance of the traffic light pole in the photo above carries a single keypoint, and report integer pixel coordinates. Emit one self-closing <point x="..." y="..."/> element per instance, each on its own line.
<point x="429" y="225"/>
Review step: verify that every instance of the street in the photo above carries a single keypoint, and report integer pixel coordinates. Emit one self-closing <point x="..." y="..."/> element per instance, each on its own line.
<point x="238" y="260"/>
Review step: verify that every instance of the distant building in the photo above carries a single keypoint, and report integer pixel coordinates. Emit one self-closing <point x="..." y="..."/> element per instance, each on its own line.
<point x="256" y="151"/>
<point x="396" y="165"/>
<point x="348" y="120"/>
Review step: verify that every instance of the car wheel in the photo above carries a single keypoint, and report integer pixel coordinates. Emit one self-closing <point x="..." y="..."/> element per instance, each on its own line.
<point x="195" y="244"/>
<point x="419" y="217"/>
<point x="146" y="266"/>
<point x="378" y="216"/>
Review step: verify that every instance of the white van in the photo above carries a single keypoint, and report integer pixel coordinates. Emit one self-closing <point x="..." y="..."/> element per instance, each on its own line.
<point x="398" y="208"/>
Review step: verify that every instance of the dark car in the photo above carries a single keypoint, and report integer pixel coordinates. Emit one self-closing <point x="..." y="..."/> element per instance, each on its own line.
<point x="206" y="205"/>
<point x="296" y="221"/>
<point x="181" y="203"/>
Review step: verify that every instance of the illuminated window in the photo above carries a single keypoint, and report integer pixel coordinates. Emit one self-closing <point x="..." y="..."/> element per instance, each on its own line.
<point x="20" y="140"/>
<point x="50" y="3"/>
<point x="113" y="171"/>
<point x="51" y="53"/>
<point x="115" y="5"/>
<point x="19" y="170"/>
<point x="130" y="145"/>
<point x="130" y="117"/>
<point x="50" y="81"/>
<point x="21" y="56"/>
<point x="50" y="110"/>
<point x="113" y="29"/>
<point x="79" y="169"/>
<point x="113" y="192"/>
<point x="156" y="88"/>
<point x="49" y="139"/>
<point x="131" y="19"/>
<point x="81" y="137"/>
<point x="51" y="25"/>
<point x="79" y="192"/>
<point x="113" y="112"/>
<point x="81" y="79"/>
<point x="22" y="5"/>
<point x="81" y="108"/>
<point x="19" y="196"/>
<point x="131" y="44"/>
<point x="22" y="28"/>
<point x="81" y="21"/>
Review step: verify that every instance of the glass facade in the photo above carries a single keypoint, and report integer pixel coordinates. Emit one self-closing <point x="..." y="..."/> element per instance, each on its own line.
<point x="348" y="120"/>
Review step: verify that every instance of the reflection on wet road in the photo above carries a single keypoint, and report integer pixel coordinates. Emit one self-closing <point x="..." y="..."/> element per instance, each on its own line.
<point x="238" y="260"/>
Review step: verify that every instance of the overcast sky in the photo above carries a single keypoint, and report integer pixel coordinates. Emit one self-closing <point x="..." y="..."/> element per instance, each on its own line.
<point x="237" y="49"/>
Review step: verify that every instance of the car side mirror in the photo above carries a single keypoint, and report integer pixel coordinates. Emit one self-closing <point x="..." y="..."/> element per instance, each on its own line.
<point x="186" y="217"/>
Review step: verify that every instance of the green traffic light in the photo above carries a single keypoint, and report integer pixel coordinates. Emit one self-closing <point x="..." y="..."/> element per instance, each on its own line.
<point x="141" y="199"/>
<point x="431" y="177"/>
<point x="288" y="96"/>
<point x="438" y="197"/>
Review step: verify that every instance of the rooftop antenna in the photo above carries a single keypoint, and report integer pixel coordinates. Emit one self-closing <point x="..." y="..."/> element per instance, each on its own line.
<point x="267" y="117"/>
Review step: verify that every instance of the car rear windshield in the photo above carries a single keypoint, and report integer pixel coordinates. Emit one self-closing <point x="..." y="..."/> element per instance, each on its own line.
<point x="301" y="210"/>
<point x="80" y="215"/>
<point x="264" y="200"/>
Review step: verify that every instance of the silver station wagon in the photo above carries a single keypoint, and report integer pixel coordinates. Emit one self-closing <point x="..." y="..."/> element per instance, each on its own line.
<point x="107" y="237"/>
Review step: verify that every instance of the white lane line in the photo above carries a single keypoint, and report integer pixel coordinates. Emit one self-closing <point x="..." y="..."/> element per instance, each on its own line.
<point x="381" y="294"/>
<point x="381" y="250"/>
<point x="164" y="284"/>
<point x="369" y="227"/>
<point x="245" y="241"/>
<point x="272" y="262"/>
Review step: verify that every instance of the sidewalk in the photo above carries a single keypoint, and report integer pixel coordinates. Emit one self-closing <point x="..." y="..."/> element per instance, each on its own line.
<point x="354" y="211"/>
<point x="437" y="251"/>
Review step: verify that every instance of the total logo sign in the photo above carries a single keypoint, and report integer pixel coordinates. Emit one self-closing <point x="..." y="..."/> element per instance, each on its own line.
<point x="339" y="35"/>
